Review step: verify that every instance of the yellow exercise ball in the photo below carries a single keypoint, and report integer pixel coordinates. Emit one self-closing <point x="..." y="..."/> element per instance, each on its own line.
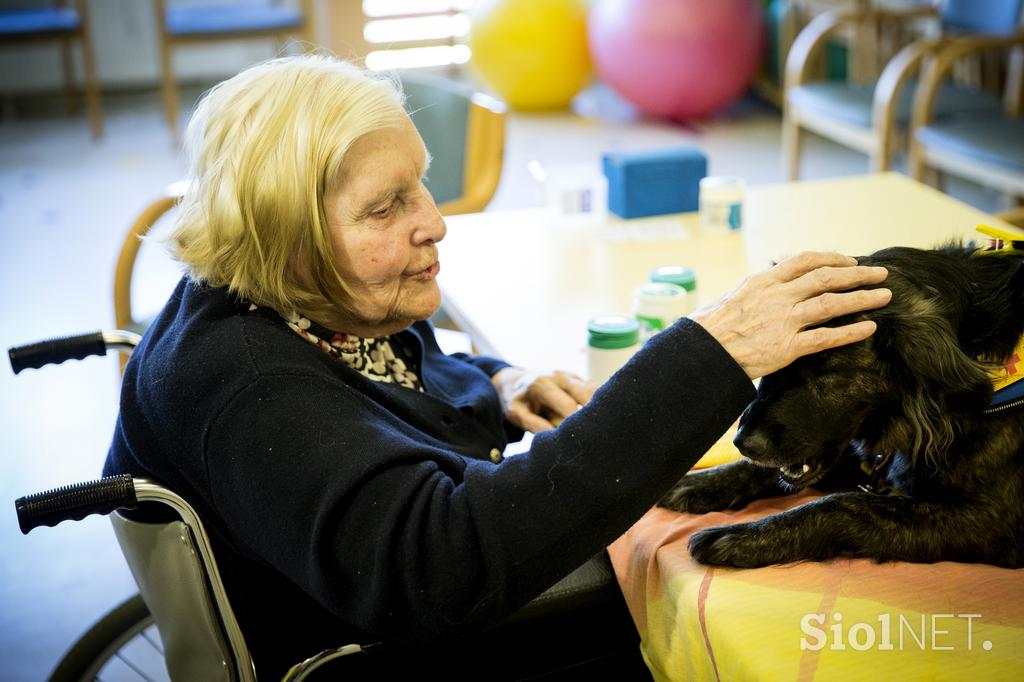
<point x="532" y="52"/>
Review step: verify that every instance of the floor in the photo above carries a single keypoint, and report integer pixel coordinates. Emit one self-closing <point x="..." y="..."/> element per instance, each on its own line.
<point x="65" y="202"/>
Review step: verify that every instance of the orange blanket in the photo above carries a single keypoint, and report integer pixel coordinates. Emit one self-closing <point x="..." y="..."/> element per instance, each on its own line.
<point x="836" y="620"/>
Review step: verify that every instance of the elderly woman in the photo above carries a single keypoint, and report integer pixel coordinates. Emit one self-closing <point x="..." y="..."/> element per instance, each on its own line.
<point x="349" y="471"/>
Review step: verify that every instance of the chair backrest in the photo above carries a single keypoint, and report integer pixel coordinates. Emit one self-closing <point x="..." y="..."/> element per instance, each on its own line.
<point x="464" y="131"/>
<point x="991" y="17"/>
<point x="174" y="567"/>
<point x="31" y="23"/>
<point x="217" y="20"/>
<point x="124" y="315"/>
<point x="163" y="560"/>
<point x="62" y="25"/>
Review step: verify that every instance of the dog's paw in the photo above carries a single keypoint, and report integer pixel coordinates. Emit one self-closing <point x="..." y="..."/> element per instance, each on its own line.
<point x="738" y="546"/>
<point x="699" y="493"/>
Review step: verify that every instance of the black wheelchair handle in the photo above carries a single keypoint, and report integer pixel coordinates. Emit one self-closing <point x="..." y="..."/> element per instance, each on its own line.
<point x="75" y="502"/>
<point x="55" y="351"/>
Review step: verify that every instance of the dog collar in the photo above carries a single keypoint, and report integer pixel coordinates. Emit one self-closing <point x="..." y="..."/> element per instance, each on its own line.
<point x="1009" y="394"/>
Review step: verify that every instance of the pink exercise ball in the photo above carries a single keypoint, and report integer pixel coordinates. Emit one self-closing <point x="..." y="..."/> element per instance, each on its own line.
<point x="676" y="58"/>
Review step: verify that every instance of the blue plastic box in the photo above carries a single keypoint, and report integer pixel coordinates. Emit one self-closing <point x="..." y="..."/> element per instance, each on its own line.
<point x="655" y="181"/>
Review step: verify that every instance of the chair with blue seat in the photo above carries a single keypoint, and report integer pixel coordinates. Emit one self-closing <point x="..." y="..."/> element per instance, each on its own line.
<point x="869" y="114"/>
<point x="192" y="23"/>
<point x="987" y="149"/>
<point x="64" y="25"/>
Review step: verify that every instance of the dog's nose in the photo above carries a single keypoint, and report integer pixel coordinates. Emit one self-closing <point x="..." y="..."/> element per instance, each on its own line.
<point x="751" y="444"/>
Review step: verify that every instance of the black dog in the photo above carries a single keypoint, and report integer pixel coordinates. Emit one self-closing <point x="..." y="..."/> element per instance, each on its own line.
<point x="906" y="414"/>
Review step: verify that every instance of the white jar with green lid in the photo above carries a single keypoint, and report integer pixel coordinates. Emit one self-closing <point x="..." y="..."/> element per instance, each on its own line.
<point x="681" y="276"/>
<point x="656" y="305"/>
<point x="611" y="342"/>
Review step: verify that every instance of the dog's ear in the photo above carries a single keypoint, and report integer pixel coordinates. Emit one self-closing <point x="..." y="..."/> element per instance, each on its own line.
<point x="923" y="329"/>
<point x="995" y="317"/>
<point x="935" y="355"/>
<point x="937" y="378"/>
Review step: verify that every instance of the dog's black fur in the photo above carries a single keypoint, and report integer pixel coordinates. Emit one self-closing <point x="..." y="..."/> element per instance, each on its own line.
<point x="914" y="396"/>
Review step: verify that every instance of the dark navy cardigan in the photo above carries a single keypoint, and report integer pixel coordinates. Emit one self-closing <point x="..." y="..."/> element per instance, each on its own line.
<point x="343" y="508"/>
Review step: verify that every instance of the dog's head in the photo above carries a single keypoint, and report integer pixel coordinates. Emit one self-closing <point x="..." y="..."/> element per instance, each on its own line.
<point x="903" y="388"/>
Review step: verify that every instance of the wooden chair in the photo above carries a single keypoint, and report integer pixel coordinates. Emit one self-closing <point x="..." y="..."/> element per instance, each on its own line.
<point x="124" y="315"/>
<point x="64" y="25"/>
<point x="987" y="149"/>
<point x="190" y="24"/>
<point x="1014" y="216"/>
<point x="784" y="19"/>
<point x="866" y="113"/>
<point x="465" y="168"/>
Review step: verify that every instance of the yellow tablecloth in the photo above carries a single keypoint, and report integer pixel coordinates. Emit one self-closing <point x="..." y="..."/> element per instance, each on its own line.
<point x="721" y="452"/>
<point x="703" y="623"/>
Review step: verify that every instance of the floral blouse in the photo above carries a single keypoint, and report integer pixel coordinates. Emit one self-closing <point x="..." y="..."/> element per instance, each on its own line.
<point x="375" y="358"/>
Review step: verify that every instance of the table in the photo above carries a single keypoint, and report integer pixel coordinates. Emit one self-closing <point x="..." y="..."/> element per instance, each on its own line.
<point x="524" y="284"/>
<point x="513" y="276"/>
<point x="844" y="619"/>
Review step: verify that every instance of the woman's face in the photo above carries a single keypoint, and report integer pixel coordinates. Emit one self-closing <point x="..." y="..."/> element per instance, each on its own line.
<point x="384" y="232"/>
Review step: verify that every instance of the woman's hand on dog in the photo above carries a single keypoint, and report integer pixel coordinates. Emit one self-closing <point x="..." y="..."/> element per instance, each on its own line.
<point x="765" y="323"/>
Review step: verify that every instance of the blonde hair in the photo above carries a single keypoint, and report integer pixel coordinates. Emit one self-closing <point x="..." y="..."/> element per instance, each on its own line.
<point x="264" y="148"/>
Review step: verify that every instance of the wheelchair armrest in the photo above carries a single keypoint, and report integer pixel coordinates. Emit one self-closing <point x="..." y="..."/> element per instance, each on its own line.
<point x="580" y="623"/>
<point x="590" y="584"/>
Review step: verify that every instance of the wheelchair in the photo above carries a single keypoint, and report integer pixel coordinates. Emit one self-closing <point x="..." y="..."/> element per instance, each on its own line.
<point x="183" y="624"/>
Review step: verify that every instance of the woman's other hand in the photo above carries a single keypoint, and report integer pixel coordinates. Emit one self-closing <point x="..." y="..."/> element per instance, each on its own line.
<point x="538" y="402"/>
<point x="764" y="323"/>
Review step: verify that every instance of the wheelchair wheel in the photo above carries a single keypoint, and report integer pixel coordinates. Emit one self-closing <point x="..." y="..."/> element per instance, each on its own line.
<point x="123" y="645"/>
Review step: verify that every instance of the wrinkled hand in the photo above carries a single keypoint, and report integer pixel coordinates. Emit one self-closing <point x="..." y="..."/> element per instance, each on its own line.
<point x="537" y="402"/>
<point x="764" y="322"/>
